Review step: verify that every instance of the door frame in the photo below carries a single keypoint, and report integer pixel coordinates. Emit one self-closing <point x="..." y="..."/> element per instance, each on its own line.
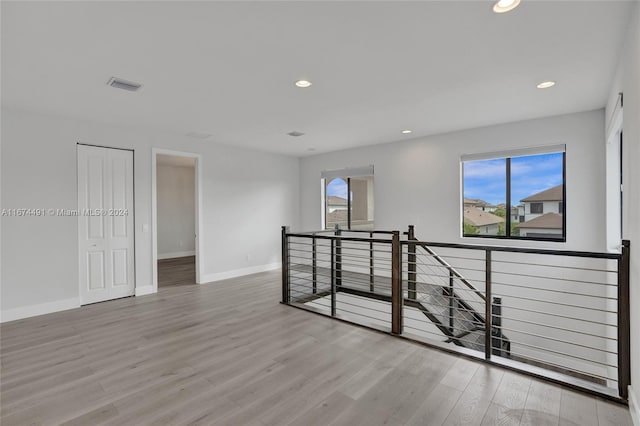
<point x="154" y="211"/>
<point x="614" y="171"/>
<point x="133" y="209"/>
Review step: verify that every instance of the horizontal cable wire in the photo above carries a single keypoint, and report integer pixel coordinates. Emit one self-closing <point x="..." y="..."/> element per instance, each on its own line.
<point x="555" y="291"/>
<point x="349" y="255"/>
<point x="564" y="367"/>
<point x="427" y="254"/>
<point x="362" y="315"/>
<point x="558" y="328"/>
<point x="549" y="278"/>
<point x="555" y="315"/>
<point x="365" y="307"/>
<point x="448" y="339"/>
<point x="561" y="353"/>
<point x="555" y="266"/>
<point x="558" y="340"/>
<point x="556" y="303"/>
<point x="458" y="268"/>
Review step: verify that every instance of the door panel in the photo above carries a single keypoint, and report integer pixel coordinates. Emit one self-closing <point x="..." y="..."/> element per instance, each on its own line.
<point x="95" y="193"/>
<point x="105" y="223"/>
<point x="95" y="272"/>
<point x="119" y="197"/>
<point x="119" y="259"/>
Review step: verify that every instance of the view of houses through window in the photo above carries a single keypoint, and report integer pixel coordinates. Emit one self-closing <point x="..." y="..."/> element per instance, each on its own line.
<point x="514" y="196"/>
<point x="349" y="202"/>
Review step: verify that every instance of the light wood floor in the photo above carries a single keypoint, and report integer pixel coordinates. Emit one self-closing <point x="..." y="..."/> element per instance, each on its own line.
<point x="227" y="353"/>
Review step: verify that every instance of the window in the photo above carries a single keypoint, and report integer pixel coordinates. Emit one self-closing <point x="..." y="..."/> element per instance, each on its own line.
<point x="536" y="208"/>
<point x="528" y="181"/>
<point x="348" y="198"/>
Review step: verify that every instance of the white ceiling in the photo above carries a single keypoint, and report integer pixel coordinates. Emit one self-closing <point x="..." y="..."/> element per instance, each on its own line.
<point x="228" y="68"/>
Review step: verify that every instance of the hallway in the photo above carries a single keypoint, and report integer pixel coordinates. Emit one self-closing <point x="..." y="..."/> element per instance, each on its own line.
<point x="178" y="271"/>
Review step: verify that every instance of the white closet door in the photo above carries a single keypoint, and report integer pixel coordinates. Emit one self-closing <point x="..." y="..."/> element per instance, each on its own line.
<point x="105" y="223"/>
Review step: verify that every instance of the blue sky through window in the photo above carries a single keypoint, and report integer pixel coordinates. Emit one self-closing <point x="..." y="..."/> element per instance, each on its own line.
<point x="338" y="188"/>
<point x="486" y="179"/>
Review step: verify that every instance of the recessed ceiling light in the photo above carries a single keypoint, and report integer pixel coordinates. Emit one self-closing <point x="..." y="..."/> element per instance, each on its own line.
<point x="199" y="135"/>
<point x="295" y="134"/>
<point x="546" y="84"/>
<point x="406" y="132"/>
<point x="503" y="6"/>
<point x="303" y="83"/>
<point x="121" y="83"/>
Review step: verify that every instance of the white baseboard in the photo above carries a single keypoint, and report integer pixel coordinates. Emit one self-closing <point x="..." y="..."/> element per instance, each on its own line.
<point x="238" y="272"/>
<point x="144" y="290"/>
<point x="634" y="408"/>
<point x="40" y="309"/>
<point x="175" y="254"/>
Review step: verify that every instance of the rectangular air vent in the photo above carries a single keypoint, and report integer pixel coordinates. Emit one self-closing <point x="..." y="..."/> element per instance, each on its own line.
<point x="123" y="84"/>
<point x="199" y="135"/>
<point x="295" y="134"/>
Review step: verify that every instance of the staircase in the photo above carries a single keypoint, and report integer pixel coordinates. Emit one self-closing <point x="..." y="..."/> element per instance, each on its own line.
<point x="452" y="315"/>
<point x="460" y="322"/>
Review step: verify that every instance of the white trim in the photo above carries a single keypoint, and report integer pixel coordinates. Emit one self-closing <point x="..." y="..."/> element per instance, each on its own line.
<point x="522" y="152"/>
<point x="154" y="213"/>
<point x="240" y="272"/>
<point x="175" y="254"/>
<point x="348" y="172"/>
<point x="615" y="119"/>
<point x="634" y="407"/>
<point x="612" y="182"/>
<point x="323" y="204"/>
<point x="40" y="309"/>
<point x="147" y="289"/>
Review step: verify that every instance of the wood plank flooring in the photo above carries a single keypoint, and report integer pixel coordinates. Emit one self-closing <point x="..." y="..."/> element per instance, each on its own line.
<point x="177" y="271"/>
<point x="228" y="353"/>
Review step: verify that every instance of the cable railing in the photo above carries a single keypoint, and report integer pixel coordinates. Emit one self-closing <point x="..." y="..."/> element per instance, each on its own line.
<point x="558" y="314"/>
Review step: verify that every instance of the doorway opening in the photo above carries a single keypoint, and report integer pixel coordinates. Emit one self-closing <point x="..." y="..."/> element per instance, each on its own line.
<point x="176" y="204"/>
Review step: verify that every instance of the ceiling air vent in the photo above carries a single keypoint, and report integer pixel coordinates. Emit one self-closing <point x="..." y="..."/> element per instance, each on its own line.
<point x="295" y="134"/>
<point x="199" y="135"/>
<point x="120" y="83"/>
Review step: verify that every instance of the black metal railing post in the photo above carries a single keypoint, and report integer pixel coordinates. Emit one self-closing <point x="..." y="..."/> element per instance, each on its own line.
<point x="487" y="305"/>
<point x="624" y="323"/>
<point x="496" y="322"/>
<point x="411" y="264"/>
<point x="285" y="265"/>
<point x="338" y="259"/>
<point x="452" y="302"/>
<point x="333" y="277"/>
<point x="371" y="271"/>
<point x="396" y="284"/>
<point x="314" y="264"/>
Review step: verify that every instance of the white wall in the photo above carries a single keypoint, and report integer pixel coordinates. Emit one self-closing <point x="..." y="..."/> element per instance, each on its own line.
<point x="40" y="254"/>
<point x="627" y="81"/>
<point x="176" y="211"/>
<point x="418" y="181"/>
